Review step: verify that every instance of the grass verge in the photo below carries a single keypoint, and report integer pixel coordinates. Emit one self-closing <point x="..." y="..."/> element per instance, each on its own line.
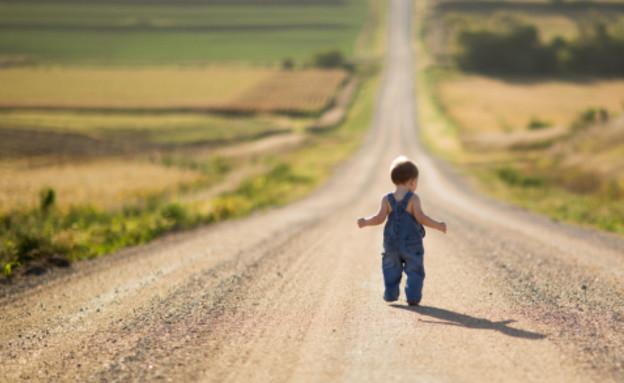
<point x="536" y="193"/>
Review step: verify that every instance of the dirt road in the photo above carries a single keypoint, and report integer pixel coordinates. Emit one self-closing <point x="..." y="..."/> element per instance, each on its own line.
<point x="294" y="294"/>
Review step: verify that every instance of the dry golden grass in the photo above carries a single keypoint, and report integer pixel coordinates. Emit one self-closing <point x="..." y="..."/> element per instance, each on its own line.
<point x="481" y="104"/>
<point x="105" y="184"/>
<point x="589" y="160"/>
<point x="126" y="88"/>
<point x="213" y="88"/>
<point x="592" y="159"/>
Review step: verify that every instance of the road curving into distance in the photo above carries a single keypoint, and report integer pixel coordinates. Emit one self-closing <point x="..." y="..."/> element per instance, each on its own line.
<point x="294" y="294"/>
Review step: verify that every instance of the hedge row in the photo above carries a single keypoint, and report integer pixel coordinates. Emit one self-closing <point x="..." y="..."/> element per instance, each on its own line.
<point x="507" y="44"/>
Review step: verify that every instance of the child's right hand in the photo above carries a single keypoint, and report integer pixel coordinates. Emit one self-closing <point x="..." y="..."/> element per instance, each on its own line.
<point x="361" y="222"/>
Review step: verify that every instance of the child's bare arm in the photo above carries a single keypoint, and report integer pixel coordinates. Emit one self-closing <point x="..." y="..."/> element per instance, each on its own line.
<point x="378" y="218"/>
<point x="423" y="218"/>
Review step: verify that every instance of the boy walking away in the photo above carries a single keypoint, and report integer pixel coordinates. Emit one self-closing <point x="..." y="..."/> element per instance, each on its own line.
<point x="403" y="233"/>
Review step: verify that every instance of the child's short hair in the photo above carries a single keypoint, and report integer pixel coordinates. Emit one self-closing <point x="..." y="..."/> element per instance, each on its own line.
<point x="403" y="170"/>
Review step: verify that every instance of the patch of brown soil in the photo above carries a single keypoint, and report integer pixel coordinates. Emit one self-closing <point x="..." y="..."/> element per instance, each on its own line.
<point x="16" y="143"/>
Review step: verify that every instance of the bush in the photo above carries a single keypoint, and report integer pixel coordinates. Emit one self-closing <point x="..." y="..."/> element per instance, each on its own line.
<point x="597" y="50"/>
<point x="505" y="44"/>
<point x="586" y="118"/>
<point x="47" y="198"/>
<point x="328" y="59"/>
<point x="178" y="215"/>
<point x="288" y="63"/>
<point x="536" y="124"/>
<point x="514" y="177"/>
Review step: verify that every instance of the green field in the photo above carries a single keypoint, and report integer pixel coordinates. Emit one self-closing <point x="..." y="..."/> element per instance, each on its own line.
<point x="148" y="31"/>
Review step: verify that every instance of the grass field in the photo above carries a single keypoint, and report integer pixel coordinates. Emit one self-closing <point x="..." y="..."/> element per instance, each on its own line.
<point x="144" y="31"/>
<point x="577" y="174"/>
<point x="583" y="160"/>
<point x="483" y="104"/>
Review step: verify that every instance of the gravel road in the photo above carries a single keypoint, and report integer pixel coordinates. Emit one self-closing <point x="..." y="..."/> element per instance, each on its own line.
<point x="294" y="294"/>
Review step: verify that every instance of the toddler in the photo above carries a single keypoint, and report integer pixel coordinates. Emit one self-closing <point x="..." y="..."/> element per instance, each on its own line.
<point x="403" y="233"/>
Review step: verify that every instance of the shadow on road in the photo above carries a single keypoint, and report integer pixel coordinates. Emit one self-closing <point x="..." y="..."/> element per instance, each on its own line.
<point x="451" y="318"/>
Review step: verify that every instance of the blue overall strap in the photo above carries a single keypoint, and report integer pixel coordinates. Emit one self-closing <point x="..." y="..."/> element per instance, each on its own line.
<point x="406" y="199"/>
<point x="392" y="201"/>
<point x="403" y="203"/>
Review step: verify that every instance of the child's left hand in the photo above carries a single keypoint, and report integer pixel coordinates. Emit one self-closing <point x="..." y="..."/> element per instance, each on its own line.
<point x="361" y="222"/>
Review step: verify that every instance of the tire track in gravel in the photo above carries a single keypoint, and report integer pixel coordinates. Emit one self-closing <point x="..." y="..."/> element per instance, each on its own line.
<point x="294" y="294"/>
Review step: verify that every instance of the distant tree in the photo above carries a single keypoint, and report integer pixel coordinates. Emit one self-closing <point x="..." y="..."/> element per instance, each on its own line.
<point x="598" y="49"/>
<point x="288" y="63"/>
<point x="505" y="44"/>
<point x="332" y="58"/>
<point x="536" y="124"/>
<point x="586" y="118"/>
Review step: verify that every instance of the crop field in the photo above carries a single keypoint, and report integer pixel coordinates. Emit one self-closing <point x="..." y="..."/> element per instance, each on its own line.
<point x="86" y="87"/>
<point x="231" y="89"/>
<point x="297" y="92"/>
<point x="148" y="32"/>
<point x="45" y="133"/>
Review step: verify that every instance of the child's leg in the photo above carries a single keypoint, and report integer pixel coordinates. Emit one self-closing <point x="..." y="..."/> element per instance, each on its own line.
<point x="415" y="272"/>
<point x="392" y="267"/>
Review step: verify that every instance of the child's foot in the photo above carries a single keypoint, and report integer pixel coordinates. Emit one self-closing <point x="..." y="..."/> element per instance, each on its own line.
<point x="389" y="300"/>
<point x="413" y="303"/>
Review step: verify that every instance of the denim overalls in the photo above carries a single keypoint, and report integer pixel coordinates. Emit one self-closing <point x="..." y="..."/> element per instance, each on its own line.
<point x="403" y="251"/>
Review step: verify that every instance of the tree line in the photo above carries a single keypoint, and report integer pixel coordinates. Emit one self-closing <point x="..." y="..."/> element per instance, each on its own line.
<point x="507" y="44"/>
